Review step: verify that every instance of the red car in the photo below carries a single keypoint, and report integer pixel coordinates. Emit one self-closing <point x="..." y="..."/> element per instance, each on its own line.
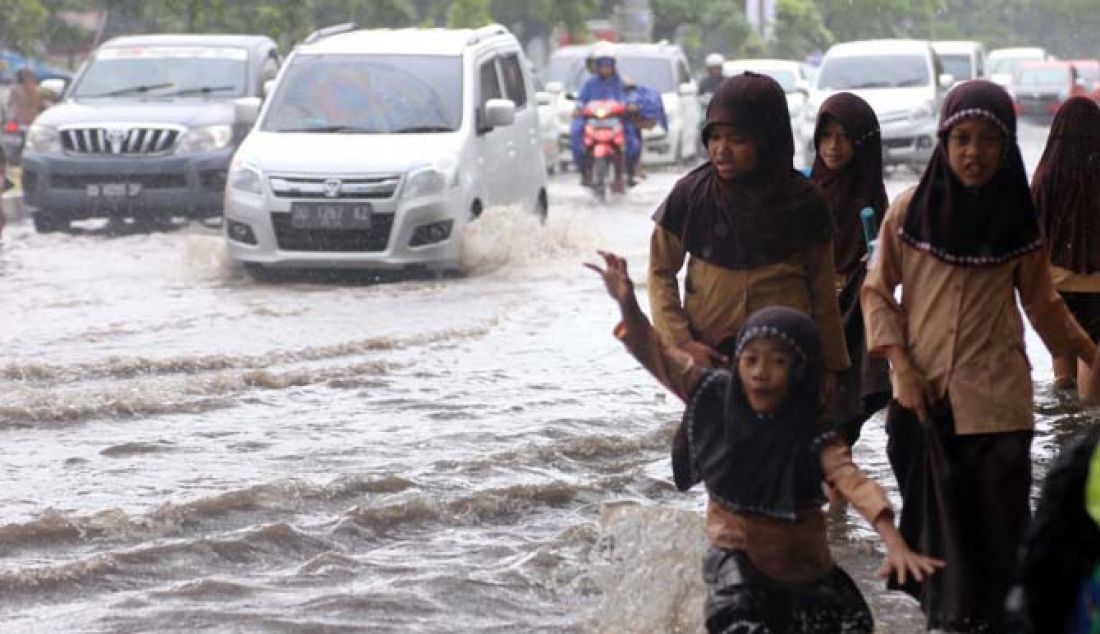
<point x="1039" y="88"/>
<point x="1088" y="74"/>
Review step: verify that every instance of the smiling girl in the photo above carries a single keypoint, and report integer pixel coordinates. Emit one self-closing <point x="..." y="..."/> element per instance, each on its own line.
<point x="754" y="435"/>
<point x="961" y="246"/>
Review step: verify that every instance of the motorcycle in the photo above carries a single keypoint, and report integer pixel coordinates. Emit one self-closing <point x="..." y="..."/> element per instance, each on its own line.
<point x="604" y="146"/>
<point x="12" y="137"/>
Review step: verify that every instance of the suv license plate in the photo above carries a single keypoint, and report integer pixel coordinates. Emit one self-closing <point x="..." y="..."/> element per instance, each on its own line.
<point x="331" y="215"/>
<point x="113" y="190"/>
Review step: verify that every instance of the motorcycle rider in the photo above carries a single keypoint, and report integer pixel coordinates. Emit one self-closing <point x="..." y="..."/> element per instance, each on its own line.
<point x="714" y="76"/>
<point x="646" y="111"/>
<point x="605" y="84"/>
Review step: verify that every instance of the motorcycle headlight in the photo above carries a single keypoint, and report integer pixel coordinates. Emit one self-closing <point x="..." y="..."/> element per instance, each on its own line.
<point x="43" y="139"/>
<point x="924" y="111"/>
<point x="431" y="180"/>
<point x="206" y="139"/>
<point x="246" y="177"/>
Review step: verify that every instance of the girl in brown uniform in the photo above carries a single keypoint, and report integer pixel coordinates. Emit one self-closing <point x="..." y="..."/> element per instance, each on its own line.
<point x="961" y="245"/>
<point x="1066" y="190"/>
<point x="848" y="170"/>
<point x="753" y="435"/>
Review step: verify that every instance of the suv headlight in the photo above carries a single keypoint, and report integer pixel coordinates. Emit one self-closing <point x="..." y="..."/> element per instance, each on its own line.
<point x="206" y="139"/>
<point x="43" y="139"/>
<point x="432" y="180"/>
<point x="246" y="177"/>
<point x="923" y="111"/>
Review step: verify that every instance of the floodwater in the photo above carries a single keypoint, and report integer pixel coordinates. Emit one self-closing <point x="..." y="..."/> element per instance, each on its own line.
<point x="187" y="449"/>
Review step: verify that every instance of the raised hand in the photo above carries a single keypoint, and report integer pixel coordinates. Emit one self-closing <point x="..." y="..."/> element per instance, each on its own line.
<point x="615" y="277"/>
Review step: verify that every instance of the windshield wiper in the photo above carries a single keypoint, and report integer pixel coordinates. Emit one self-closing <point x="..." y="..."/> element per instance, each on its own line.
<point x="198" y="90"/>
<point x="322" y="129"/>
<point x="423" y="128"/>
<point x="871" y="84"/>
<point x="134" y="89"/>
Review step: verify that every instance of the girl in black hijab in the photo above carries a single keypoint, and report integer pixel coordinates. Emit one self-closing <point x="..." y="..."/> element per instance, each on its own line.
<point x="753" y="434"/>
<point x="848" y="170"/>
<point x="1066" y="190"/>
<point x="963" y="245"/>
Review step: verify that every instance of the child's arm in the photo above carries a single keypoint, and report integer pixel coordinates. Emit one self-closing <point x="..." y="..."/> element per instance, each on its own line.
<point x="870" y="500"/>
<point x="1047" y="312"/>
<point x="672" y="367"/>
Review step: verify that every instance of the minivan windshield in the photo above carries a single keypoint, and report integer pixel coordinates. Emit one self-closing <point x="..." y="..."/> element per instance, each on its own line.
<point x="156" y="72"/>
<point x="958" y="66"/>
<point x="1043" y="76"/>
<point x="654" y="72"/>
<point x="874" y="71"/>
<point x="368" y="94"/>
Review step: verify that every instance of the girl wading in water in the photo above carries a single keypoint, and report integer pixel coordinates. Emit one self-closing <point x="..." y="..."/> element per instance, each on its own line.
<point x="848" y="170"/>
<point x="961" y="245"/>
<point x="1066" y="190"/>
<point x="754" y="435"/>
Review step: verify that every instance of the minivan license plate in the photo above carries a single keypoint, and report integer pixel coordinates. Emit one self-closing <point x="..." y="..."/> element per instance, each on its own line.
<point x="331" y="215"/>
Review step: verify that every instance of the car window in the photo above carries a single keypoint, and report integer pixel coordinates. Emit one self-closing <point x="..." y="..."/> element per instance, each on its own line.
<point x="513" y="79"/>
<point x="152" y="72"/>
<point x="269" y="69"/>
<point x="878" y="71"/>
<point x="488" y="83"/>
<point x="684" y="75"/>
<point x="368" y="94"/>
<point x="958" y="66"/>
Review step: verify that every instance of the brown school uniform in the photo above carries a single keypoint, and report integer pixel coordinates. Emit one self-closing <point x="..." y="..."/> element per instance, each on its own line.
<point x="792" y="552"/>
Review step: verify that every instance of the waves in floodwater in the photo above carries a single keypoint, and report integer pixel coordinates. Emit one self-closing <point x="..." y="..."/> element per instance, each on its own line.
<point x="186" y="449"/>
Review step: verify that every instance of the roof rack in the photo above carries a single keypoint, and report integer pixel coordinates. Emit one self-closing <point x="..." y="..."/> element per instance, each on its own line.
<point x="328" y="31"/>
<point x="486" y="32"/>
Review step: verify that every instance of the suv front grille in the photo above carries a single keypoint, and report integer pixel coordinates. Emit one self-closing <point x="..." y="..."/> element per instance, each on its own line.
<point x="344" y="240"/>
<point x="368" y="187"/>
<point x="121" y="141"/>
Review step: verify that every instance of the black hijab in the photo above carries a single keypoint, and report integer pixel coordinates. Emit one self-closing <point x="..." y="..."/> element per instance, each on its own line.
<point x="750" y="462"/>
<point x="1066" y="187"/>
<point x="974" y="226"/>
<point x="757" y="220"/>
<point x="856" y="186"/>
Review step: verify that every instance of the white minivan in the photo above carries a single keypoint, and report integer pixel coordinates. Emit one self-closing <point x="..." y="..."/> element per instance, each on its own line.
<point x="376" y="147"/>
<point x="904" y="84"/>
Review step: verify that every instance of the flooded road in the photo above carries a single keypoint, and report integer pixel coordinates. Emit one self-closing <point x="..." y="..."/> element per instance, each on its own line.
<point x="187" y="449"/>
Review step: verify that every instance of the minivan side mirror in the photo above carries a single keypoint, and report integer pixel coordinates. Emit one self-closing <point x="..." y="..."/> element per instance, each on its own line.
<point x="688" y="89"/>
<point x="498" y="113"/>
<point x="947" y="80"/>
<point x="53" y="86"/>
<point x="246" y="110"/>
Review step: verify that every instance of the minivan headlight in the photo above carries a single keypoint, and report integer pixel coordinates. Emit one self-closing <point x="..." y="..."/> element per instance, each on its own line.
<point x="924" y="111"/>
<point x="430" y="181"/>
<point x="43" y="139"/>
<point x="206" y="139"/>
<point x="246" y="177"/>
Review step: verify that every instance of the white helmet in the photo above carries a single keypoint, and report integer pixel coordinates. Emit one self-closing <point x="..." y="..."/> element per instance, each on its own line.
<point x="715" y="59"/>
<point x="603" y="50"/>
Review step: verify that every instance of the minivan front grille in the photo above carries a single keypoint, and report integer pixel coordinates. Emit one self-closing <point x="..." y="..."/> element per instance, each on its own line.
<point x="119" y="141"/>
<point x="343" y="241"/>
<point x="368" y="187"/>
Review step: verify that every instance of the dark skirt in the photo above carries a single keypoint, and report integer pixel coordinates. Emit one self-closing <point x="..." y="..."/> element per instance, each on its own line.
<point x="964" y="500"/>
<point x="742" y="600"/>
<point x="1086" y="310"/>
<point x="864" y="388"/>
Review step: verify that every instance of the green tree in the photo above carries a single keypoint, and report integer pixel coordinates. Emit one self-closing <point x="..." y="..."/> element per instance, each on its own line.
<point x="468" y="14"/>
<point x="799" y="29"/>
<point x="21" y="23"/>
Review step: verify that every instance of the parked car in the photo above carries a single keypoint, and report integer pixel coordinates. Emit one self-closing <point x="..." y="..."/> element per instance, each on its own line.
<point x="1040" y="88"/>
<point x="146" y="130"/>
<point x="903" y="82"/>
<point x="662" y="67"/>
<point x="963" y="60"/>
<point x="1001" y="63"/>
<point x="791" y="76"/>
<point x="376" y="147"/>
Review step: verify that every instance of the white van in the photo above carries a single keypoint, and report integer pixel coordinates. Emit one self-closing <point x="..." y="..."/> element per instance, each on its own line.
<point x="903" y="82"/>
<point x="375" y="147"/>
<point x="963" y="60"/>
<point x="660" y="66"/>
<point x="1002" y="63"/>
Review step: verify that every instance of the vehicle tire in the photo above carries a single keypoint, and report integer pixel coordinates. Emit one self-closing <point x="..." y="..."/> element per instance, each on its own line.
<point x="601" y="169"/>
<point x="542" y="206"/>
<point x="49" y="222"/>
<point x="259" y="272"/>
